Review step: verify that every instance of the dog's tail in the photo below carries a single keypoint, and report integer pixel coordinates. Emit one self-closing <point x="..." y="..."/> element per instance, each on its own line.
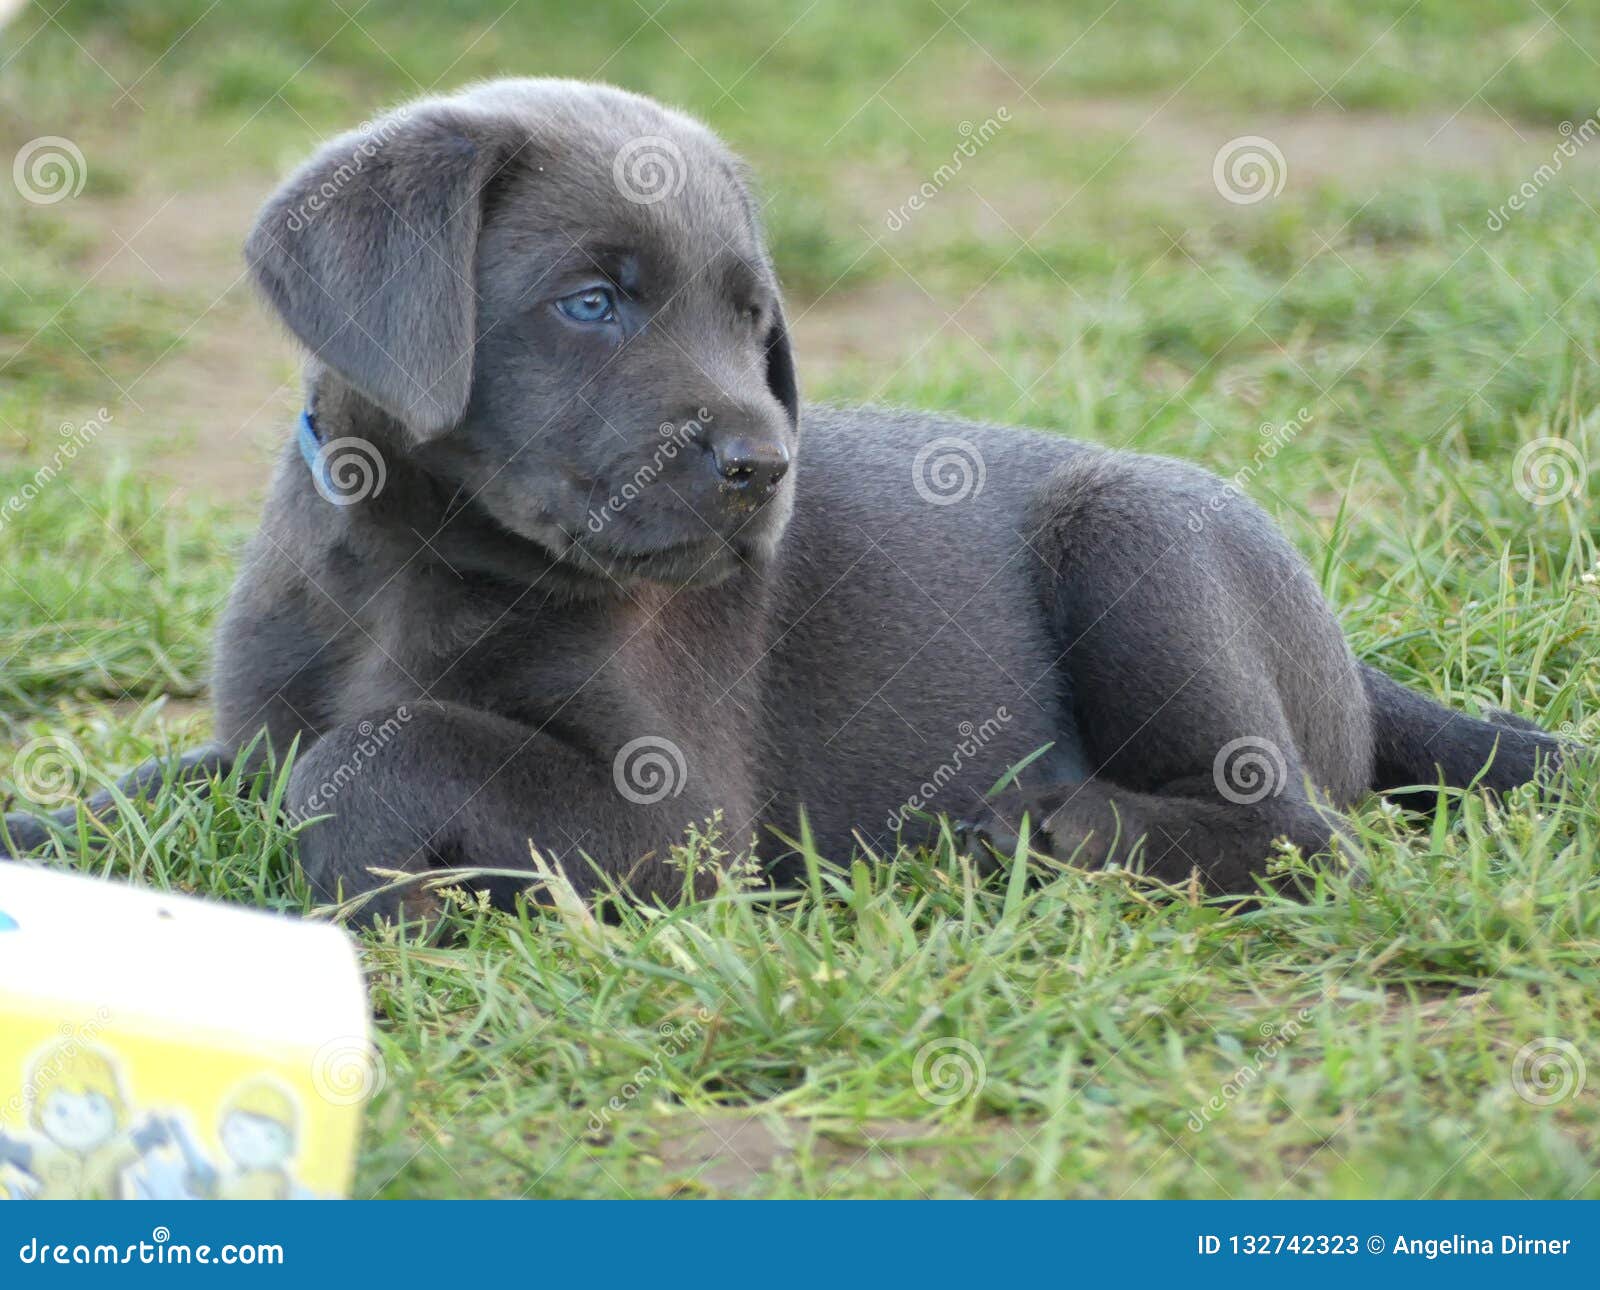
<point x="22" y="832"/>
<point x="1418" y="742"/>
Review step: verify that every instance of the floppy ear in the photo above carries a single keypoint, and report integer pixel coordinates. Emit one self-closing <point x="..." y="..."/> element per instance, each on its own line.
<point x="780" y="368"/>
<point x="369" y="252"/>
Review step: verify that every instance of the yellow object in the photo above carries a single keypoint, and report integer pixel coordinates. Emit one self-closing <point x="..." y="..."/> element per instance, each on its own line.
<point x="160" y="1047"/>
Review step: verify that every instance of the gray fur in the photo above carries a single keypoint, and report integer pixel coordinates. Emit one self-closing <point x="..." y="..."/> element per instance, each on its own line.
<point x="828" y="641"/>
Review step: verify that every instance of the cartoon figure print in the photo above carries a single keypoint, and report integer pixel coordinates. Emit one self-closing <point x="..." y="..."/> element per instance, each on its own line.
<point x="258" y="1132"/>
<point x="259" y="1135"/>
<point x="85" y="1143"/>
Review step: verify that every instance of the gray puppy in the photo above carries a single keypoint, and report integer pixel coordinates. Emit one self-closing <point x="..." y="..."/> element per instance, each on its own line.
<point x="559" y="561"/>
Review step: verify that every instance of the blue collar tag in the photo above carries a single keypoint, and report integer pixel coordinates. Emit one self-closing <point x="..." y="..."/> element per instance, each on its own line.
<point x="311" y="452"/>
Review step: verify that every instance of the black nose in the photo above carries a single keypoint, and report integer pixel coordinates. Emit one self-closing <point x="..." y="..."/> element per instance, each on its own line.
<point x="746" y="464"/>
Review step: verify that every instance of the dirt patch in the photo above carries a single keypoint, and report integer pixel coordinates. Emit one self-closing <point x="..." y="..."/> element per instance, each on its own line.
<point x="1139" y="153"/>
<point x="731" y="1154"/>
<point x="184" y="716"/>
<point x="1317" y="147"/>
<point x="168" y="241"/>
<point x="1152" y="155"/>
<point x="877" y="327"/>
<point x="211" y="411"/>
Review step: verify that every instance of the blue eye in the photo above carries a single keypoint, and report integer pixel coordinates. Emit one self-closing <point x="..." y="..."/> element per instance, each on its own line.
<point x="592" y="305"/>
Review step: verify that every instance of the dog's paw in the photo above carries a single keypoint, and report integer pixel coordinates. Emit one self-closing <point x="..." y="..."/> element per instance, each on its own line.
<point x="990" y="837"/>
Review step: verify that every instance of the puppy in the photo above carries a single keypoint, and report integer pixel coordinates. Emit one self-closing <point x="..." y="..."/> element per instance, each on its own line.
<point x="556" y="560"/>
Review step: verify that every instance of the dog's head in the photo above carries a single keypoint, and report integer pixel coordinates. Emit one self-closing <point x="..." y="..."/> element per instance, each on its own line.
<point x="561" y="294"/>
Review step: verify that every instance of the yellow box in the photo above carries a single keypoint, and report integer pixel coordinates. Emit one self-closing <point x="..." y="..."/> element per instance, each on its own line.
<point x="162" y="1047"/>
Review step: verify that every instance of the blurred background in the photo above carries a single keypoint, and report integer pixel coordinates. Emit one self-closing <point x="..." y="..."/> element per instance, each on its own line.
<point x="1342" y="253"/>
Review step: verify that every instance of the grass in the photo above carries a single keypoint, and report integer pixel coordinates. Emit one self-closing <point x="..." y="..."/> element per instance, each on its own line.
<point x="898" y="1027"/>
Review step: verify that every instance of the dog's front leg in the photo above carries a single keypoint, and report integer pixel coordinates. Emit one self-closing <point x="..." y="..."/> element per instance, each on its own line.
<point x="428" y="786"/>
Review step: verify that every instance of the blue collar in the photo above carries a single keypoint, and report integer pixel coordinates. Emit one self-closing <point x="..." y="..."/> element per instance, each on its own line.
<point x="311" y="452"/>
